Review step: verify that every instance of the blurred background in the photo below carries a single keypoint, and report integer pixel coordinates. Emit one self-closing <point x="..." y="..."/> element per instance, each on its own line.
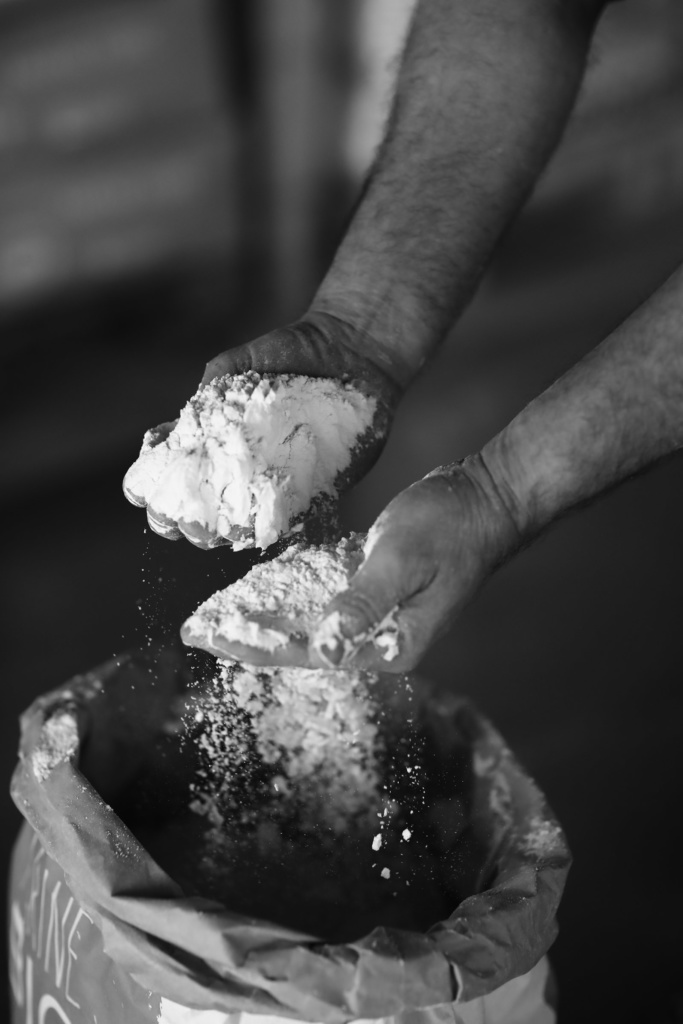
<point x="173" y="177"/>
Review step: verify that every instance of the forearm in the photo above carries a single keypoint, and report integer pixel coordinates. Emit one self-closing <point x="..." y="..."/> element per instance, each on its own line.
<point x="616" y="412"/>
<point x="483" y="94"/>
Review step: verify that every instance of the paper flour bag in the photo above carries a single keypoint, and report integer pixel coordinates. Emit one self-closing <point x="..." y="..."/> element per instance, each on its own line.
<point x="182" y="860"/>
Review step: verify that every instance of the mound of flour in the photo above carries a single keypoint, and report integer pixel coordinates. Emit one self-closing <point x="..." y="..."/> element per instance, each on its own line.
<point x="248" y="455"/>
<point x="282" y="600"/>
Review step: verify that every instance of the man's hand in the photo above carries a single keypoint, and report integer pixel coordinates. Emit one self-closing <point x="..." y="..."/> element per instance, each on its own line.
<point x="612" y="415"/>
<point x="428" y="553"/>
<point x="319" y="345"/>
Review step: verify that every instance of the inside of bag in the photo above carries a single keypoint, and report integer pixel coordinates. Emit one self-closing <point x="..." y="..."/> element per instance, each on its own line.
<point x="327" y="802"/>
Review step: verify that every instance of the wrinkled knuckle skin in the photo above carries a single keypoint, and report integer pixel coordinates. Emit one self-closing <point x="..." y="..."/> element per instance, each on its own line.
<point x="439" y="490"/>
<point x="359" y="611"/>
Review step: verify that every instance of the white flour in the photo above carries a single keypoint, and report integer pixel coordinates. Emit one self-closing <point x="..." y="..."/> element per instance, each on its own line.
<point x="276" y="600"/>
<point x="314" y="728"/>
<point x="248" y="454"/>
<point x="544" y="838"/>
<point x="282" y="599"/>
<point x="385" y="636"/>
<point x="297" y="771"/>
<point x="331" y="634"/>
<point x="58" y="742"/>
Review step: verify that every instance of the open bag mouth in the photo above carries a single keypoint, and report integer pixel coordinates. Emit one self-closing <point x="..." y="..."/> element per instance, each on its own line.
<point x="441" y="890"/>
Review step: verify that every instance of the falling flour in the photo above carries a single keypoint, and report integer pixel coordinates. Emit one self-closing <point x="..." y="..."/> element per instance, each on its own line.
<point x="298" y="804"/>
<point x="248" y="455"/>
<point x="282" y="600"/>
<point x="303" y="742"/>
<point x="284" y="794"/>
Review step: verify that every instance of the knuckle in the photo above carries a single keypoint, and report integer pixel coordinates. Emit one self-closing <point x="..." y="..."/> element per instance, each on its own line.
<point x="360" y="610"/>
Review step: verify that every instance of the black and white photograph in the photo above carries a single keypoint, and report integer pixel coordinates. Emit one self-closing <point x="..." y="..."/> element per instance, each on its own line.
<point x="341" y="377"/>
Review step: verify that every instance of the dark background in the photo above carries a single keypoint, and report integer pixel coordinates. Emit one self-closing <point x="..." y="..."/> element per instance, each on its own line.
<point x="173" y="174"/>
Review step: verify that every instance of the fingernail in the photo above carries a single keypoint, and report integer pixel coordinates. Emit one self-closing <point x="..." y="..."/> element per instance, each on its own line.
<point x="331" y="655"/>
<point x="327" y="642"/>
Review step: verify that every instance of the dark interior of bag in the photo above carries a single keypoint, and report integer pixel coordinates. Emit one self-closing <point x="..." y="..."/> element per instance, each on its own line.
<point x="268" y="843"/>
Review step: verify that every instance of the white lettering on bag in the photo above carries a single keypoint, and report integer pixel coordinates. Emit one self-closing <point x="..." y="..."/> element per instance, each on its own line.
<point x="72" y="955"/>
<point x="29" y="990"/>
<point x="50" y="1003"/>
<point x="16" y="953"/>
<point x="33" y="901"/>
<point x="41" y="918"/>
<point x="46" y="928"/>
<point x="55" y="935"/>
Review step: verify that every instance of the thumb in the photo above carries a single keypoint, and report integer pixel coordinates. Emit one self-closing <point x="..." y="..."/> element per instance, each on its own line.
<point x="229" y="363"/>
<point x="382" y="583"/>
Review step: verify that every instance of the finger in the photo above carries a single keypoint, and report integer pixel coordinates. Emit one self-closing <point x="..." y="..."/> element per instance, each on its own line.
<point x="134" y="480"/>
<point x="162" y="525"/>
<point x="390" y="575"/>
<point x="235" y="360"/>
<point x="414" y="628"/>
<point x="279" y="351"/>
<point x="300" y="349"/>
<point x="200" y="535"/>
<point x="160" y="433"/>
<point x="131" y="483"/>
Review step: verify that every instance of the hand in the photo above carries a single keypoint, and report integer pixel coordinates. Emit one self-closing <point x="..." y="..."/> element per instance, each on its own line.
<point x="424" y="558"/>
<point x="427" y="555"/>
<point x="319" y="345"/>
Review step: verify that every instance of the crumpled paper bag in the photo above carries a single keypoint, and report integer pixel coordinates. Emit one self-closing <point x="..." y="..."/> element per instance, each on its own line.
<point x="100" y="929"/>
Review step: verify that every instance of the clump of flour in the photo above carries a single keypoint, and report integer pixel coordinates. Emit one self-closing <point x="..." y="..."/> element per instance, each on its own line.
<point x="248" y="455"/>
<point x="58" y="743"/>
<point x="282" y="600"/>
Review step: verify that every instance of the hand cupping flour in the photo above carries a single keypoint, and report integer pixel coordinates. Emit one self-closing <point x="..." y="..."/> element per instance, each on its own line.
<point x="248" y="455"/>
<point x="281" y="841"/>
<point x="276" y="606"/>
